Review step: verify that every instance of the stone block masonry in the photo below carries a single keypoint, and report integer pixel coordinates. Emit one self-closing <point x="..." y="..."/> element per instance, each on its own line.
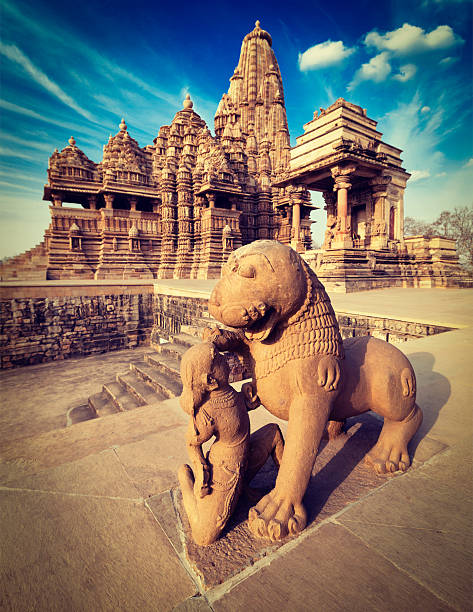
<point x="171" y="312"/>
<point x="40" y="329"/>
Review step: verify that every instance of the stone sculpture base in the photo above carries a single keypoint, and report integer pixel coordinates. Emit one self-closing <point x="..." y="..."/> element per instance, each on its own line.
<point x="339" y="478"/>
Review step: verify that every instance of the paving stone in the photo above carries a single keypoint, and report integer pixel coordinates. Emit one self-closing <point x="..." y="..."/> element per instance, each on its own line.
<point x="152" y="462"/>
<point x="35" y="399"/>
<point x="64" y="445"/>
<point x="424" y="524"/>
<point x="330" y="569"/>
<point x="165" y="513"/>
<point x="72" y="552"/>
<point x="193" y="604"/>
<point x="101" y="475"/>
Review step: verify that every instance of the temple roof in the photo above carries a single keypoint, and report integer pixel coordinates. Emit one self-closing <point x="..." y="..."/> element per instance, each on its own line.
<point x="255" y="99"/>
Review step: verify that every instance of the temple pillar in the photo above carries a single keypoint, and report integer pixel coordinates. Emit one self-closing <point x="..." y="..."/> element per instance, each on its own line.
<point x="92" y="200"/>
<point x="296" y="226"/>
<point x="133" y="203"/>
<point x="211" y="197"/>
<point x="57" y="199"/>
<point x="330" y="206"/>
<point x="155" y="204"/>
<point x="379" y="238"/>
<point x="108" y="197"/>
<point x="341" y="176"/>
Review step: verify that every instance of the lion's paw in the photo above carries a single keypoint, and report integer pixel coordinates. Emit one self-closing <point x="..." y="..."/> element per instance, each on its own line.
<point x="275" y="517"/>
<point x="388" y="459"/>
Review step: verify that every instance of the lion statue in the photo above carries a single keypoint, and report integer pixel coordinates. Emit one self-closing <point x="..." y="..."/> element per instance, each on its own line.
<point x="304" y="373"/>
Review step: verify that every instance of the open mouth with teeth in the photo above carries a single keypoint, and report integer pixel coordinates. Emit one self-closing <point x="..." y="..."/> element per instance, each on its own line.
<point x="259" y="329"/>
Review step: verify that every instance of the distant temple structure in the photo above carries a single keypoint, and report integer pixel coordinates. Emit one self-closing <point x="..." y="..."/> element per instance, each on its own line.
<point x="177" y="208"/>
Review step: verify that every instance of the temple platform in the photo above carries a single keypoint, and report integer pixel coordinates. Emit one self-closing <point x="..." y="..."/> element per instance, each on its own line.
<point x="90" y="513"/>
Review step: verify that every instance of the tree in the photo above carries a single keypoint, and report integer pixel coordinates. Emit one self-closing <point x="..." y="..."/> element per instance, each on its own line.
<point x="417" y="227"/>
<point x="461" y="228"/>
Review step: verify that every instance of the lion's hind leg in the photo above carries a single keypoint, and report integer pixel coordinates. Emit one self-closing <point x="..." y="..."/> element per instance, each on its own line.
<point x="334" y="428"/>
<point x="390" y="452"/>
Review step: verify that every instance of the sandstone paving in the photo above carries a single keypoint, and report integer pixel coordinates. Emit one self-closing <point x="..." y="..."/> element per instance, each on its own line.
<point x="193" y="604"/>
<point x="100" y="475"/>
<point x="30" y="455"/>
<point x="152" y="463"/>
<point x="76" y="552"/>
<point x="330" y="569"/>
<point x="424" y="524"/>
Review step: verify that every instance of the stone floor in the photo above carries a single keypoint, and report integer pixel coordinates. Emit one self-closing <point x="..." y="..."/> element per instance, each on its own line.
<point x="90" y="515"/>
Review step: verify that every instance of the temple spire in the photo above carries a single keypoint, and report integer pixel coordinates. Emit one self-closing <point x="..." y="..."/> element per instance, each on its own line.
<point x="256" y="94"/>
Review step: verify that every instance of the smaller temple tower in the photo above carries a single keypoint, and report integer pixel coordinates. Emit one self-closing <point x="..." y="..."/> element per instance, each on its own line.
<point x="342" y="155"/>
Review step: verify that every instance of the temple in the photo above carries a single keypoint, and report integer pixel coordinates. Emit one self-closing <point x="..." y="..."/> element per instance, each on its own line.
<point x="177" y="207"/>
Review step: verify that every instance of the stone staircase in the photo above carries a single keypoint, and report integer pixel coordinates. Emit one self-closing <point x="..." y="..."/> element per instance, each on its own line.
<point x="31" y="265"/>
<point x="156" y="379"/>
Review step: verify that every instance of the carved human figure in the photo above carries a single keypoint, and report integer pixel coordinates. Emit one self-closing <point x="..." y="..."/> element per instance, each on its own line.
<point x="302" y="372"/>
<point x="212" y="486"/>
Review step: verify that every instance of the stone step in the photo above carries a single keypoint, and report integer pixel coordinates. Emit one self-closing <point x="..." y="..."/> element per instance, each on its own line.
<point x="169" y="349"/>
<point x="185" y="340"/>
<point x="120" y="397"/>
<point x="101" y="404"/>
<point x="139" y="390"/>
<point x="165" y="387"/>
<point x="166" y="364"/>
<point x="197" y="329"/>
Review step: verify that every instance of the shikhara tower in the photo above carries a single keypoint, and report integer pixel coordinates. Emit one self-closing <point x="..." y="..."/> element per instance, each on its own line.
<point x="177" y="207"/>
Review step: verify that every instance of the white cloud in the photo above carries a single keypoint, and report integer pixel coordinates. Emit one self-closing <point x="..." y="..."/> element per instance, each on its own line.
<point x="406" y="73"/>
<point x="328" y="53"/>
<point x="418" y="175"/>
<point x="440" y="174"/>
<point x="14" y="54"/>
<point x="425" y="109"/>
<point x="469" y="163"/>
<point x="410" y="39"/>
<point x="376" y="70"/>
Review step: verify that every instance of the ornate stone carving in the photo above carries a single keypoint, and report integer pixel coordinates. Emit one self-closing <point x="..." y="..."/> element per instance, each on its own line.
<point x="212" y="486"/>
<point x="303" y="372"/>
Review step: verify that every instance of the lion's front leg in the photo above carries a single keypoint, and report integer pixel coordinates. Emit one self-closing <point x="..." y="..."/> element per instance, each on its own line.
<point x="281" y="511"/>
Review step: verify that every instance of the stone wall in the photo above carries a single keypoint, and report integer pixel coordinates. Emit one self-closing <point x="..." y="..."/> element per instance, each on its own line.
<point x="37" y="326"/>
<point x="40" y="329"/>
<point x="171" y="312"/>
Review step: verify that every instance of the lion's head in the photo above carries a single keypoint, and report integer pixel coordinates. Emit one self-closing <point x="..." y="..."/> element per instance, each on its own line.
<point x="262" y="283"/>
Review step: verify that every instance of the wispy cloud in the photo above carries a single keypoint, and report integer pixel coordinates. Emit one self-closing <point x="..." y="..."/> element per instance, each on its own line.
<point x="469" y="163"/>
<point x="21" y="176"/>
<point x="323" y="55"/>
<point x="27" y="144"/>
<point x="14" y="54"/>
<point x="17" y="187"/>
<point x="7" y="152"/>
<point x="418" y="175"/>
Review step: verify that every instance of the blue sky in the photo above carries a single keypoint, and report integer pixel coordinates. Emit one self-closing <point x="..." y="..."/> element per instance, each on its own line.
<point x="71" y="69"/>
